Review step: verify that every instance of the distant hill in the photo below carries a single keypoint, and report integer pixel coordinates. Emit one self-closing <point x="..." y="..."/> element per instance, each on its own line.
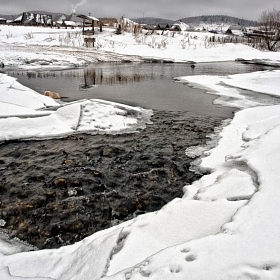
<point x="221" y="19"/>
<point x="9" y="17"/>
<point x="153" y="20"/>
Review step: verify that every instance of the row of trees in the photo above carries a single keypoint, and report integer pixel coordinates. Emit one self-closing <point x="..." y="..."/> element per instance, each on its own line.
<point x="269" y="22"/>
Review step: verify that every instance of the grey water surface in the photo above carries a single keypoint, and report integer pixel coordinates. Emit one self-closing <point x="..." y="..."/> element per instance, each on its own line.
<point x="148" y="85"/>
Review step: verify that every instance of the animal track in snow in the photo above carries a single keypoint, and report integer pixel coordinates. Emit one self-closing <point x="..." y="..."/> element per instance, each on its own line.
<point x="185" y="250"/>
<point x="189" y="256"/>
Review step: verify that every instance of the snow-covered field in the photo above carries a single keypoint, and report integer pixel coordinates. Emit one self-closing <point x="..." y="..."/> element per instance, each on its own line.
<point x="227" y="224"/>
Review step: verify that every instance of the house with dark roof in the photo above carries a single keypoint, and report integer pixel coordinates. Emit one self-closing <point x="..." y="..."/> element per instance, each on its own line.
<point x="257" y="32"/>
<point x="74" y="18"/>
<point x="179" y="26"/>
<point x="70" y="21"/>
<point x="3" y="21"/>
<point x="236" y="30"/>
<point x="162" y="26"/>
<point x="149" y="27"/>
<point x="59" y="17"/>
<point x="33" y="19"/>
<point x="109" y="22"/>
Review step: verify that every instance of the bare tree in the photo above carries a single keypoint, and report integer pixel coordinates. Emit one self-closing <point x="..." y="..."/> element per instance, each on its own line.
<point x="270" y="29"/>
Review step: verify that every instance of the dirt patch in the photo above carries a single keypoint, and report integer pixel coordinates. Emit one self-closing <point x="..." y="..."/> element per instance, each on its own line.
<point x="56" y="192"/>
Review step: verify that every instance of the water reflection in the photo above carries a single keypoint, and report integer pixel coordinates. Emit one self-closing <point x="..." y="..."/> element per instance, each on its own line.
<point x="122" y="74"/>
<point x="94" y="77"/>
<point x="89" y="76"/>
<point x="149" y="85"/>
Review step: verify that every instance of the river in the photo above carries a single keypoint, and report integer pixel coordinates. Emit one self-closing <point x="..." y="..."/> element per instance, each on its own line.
<point x="148" y="85"/>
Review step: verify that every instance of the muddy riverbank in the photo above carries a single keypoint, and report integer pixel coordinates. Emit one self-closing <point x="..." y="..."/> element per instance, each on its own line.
<point x="56" y="192"/>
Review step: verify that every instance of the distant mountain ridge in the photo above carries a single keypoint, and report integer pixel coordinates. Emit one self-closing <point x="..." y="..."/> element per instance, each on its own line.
<point x="9" y="17"/>
<point x="153" y="20"/>
<point x="208" y="19"/>
<point x="218" y="19"/>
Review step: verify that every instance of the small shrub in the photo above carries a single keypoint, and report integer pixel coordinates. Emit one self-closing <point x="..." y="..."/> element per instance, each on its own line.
<point x="9" y="35"/>
<point x="29" y="36"/>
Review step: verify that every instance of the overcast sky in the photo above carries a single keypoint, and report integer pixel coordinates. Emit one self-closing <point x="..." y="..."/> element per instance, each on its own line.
<point x="168" y="9"/>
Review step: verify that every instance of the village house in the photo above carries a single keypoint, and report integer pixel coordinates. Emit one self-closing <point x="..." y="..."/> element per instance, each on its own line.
<point x="3" y="21"/>
<point x="257" y="32"/>
<point x="109" y="22"/>
<point x="36" y="19"/>
<point x="162" y="26"/>
<point x="179" y="26"/>
<point x="70" y="21"/>
<point x="149" y="27"/>
<point x="236" y="30"/>
<point x="74" y="18"/>
<point x="59" y="18"/>
<point x="33" y="19"/>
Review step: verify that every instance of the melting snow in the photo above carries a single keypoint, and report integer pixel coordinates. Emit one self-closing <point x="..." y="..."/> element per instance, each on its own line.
<point x="226" y="226"/>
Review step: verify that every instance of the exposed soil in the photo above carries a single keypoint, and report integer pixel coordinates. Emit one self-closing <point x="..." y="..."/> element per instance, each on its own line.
<point x="56" y="192"/>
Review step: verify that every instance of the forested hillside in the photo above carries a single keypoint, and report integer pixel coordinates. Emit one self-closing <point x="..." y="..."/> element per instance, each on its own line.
<point x="218" y="19"/>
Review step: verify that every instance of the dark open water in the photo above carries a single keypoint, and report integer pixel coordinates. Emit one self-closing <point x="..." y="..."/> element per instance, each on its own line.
<point x="149" y="85"/>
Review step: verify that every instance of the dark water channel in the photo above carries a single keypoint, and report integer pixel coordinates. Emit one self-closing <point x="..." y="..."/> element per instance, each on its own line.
<point x="149" y="85"/>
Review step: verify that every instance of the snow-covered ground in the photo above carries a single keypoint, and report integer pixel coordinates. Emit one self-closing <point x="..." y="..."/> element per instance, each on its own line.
<point x="36" y="48"/>
<point x="227" y="224"/>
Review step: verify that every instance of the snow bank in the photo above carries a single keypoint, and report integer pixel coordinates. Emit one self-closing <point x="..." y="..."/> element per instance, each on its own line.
<point x="13" y="93"/>
<point x="266" y="82"/>
<point x="26" y="114"/>
<point x="86" y="259"/>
